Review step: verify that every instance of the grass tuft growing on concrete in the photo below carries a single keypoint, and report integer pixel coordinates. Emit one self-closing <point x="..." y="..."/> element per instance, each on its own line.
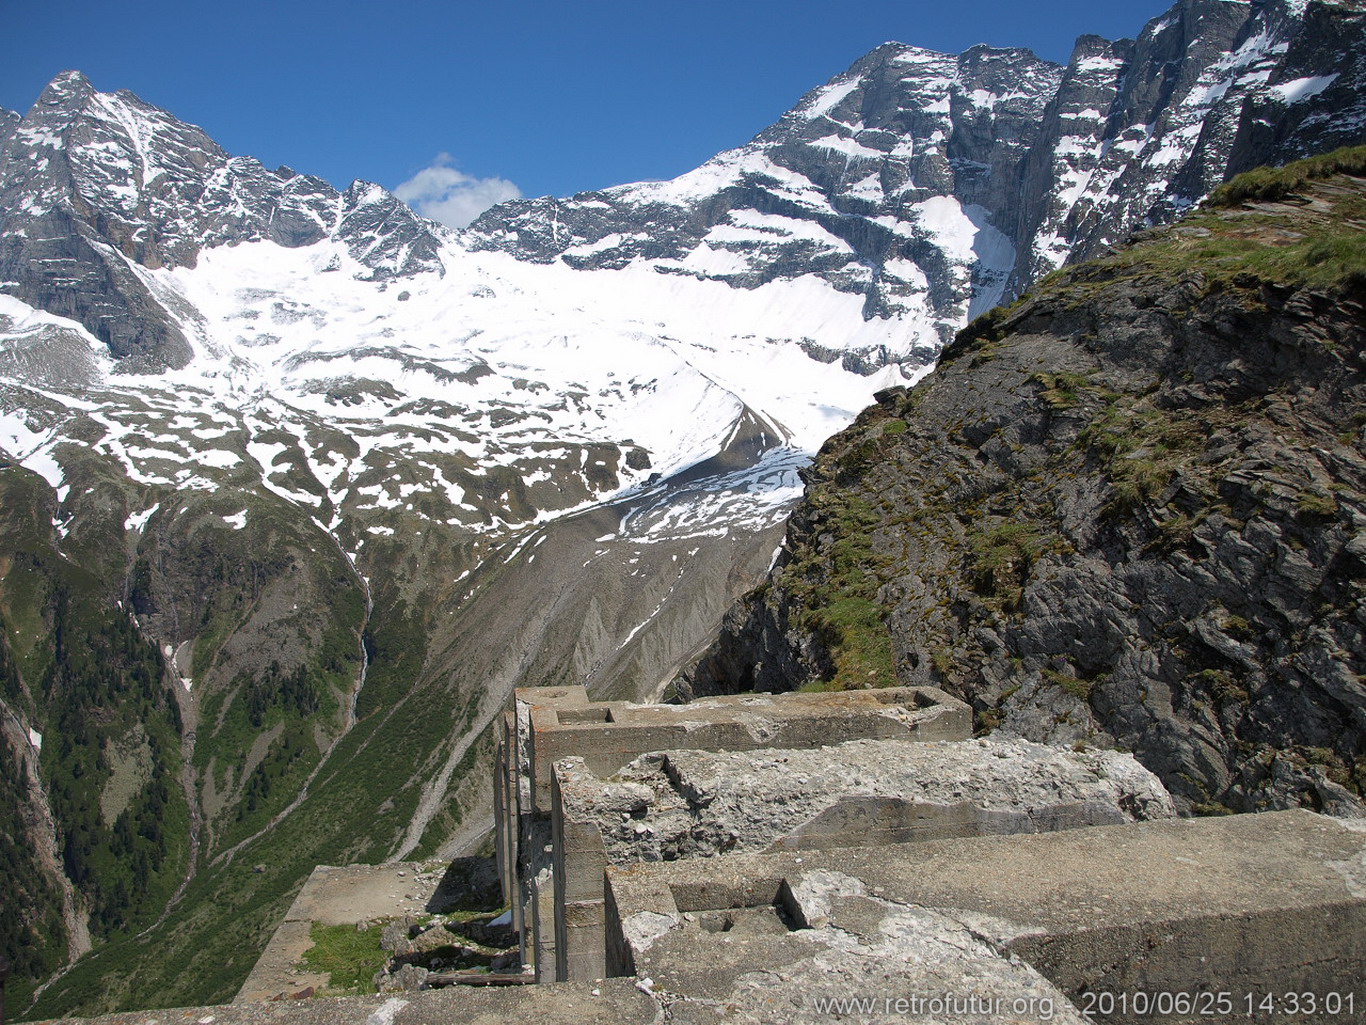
<point x="351" y="957"/>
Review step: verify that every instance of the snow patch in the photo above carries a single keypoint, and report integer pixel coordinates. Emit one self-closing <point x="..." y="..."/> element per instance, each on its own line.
<point x="829" y="97"/>
<point x="851" y="148"/>
<point x="138" y="521"/>
<point x="1302" y="88"/>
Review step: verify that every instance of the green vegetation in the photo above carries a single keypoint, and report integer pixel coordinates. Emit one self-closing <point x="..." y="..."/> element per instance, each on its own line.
<point x="1211" y="809"/>
<point x="78" y="669"/>
<point x="854" y="630"/>
<point x="1168" y="387"/>
<point x="1234" y="247"/>
<point x="294" y="693"/>
<point x="282" y="707"/>
<point x="840" y="593"/>
<point x="1346" y="771"/>
<point x="358" y="808"/>
<point x="1312" y="505"/>
<point x="32" y="933"/>
<point x="443" y="824"/>
<point x="1000" y="558"/>
<point x="1273" y="183"/>
<point x="1062" y="390"/>
<point x="105" y="681"/>
<point x="349" y="956"/>
<point x="981" y="338"/>
<point x="1074" y="685"/>
<point x="1141" y="448"/>
<point x="1223" y="685"/>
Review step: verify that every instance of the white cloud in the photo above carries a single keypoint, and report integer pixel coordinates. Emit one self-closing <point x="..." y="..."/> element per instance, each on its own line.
<point x="453" y="197"/>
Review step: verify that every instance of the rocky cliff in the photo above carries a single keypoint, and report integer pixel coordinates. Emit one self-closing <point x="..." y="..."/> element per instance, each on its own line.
<point x="95" y="185"/>
<point x="1129" y="509"/>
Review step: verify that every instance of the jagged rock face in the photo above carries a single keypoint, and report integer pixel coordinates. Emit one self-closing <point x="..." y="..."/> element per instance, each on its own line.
<point x="9" y="121"/>
<point x="882" y="182"/>
<point x="936" y="185"/>
<point x="161" y="190"/>
<point x="1140" y="130"/>
<point x="1128" y="509"/>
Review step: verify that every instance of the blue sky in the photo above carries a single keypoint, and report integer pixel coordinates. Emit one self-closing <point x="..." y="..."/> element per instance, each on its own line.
<point x="552" y="96"/>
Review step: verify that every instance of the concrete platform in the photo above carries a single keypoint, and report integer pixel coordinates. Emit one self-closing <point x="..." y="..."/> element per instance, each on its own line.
<point x="1246" y="906"/>
<point x="674" y="805"/>
<point x="348" y="896"/>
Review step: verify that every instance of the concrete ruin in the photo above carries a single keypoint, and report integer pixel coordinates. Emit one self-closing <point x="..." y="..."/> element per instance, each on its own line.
<point x="1179" y="920"/>
<point x="545" y="725"/>
<point x="761" y="860"/>
<point x="758" y="773"/>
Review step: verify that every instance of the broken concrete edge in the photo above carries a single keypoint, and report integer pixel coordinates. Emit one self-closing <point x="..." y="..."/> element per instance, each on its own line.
<point x="679" y="805"/>
<point x="556" y="722"/>
<point x="861" y="792"/>
<point x="279" y="969"/>
<point x="609" y="1002"/>
<point x="544" y="724"/>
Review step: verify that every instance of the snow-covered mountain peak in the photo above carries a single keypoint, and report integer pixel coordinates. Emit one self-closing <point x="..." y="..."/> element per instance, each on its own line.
<point x="848" y="187"/>
<point x="65" y="89"/>
<point x="99" y="188"/>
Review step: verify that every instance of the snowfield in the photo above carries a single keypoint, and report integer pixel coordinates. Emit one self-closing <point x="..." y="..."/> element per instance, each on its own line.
<point x="488" y="362"/>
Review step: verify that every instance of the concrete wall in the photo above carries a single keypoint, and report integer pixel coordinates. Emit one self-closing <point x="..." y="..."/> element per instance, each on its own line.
<point x="676" y="805"/>
<point x="609" y="734"/>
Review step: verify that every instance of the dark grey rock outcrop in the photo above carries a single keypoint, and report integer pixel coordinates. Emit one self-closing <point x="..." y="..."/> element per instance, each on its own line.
<point x="9" y="121"/>
<point x="1127" y="510"/>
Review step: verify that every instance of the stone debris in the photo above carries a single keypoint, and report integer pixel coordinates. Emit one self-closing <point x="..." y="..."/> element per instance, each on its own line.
<point x="406" y="979"/>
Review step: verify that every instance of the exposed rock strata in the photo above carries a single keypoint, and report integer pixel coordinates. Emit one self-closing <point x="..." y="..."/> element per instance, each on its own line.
<point x="1127" y="510"/>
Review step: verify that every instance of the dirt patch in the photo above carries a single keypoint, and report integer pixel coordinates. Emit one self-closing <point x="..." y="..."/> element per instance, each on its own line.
<point x="130" y="768"/>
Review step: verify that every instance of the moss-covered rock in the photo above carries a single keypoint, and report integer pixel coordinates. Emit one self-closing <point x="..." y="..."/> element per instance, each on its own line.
<point x="1128" y="509"/>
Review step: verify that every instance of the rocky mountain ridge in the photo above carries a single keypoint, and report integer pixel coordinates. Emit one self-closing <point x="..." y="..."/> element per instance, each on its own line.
<point x="1126" y="510"/>
<point x="934" y="186"/>
<point x="297" y="486"/>
<point x="86" y="172"/>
